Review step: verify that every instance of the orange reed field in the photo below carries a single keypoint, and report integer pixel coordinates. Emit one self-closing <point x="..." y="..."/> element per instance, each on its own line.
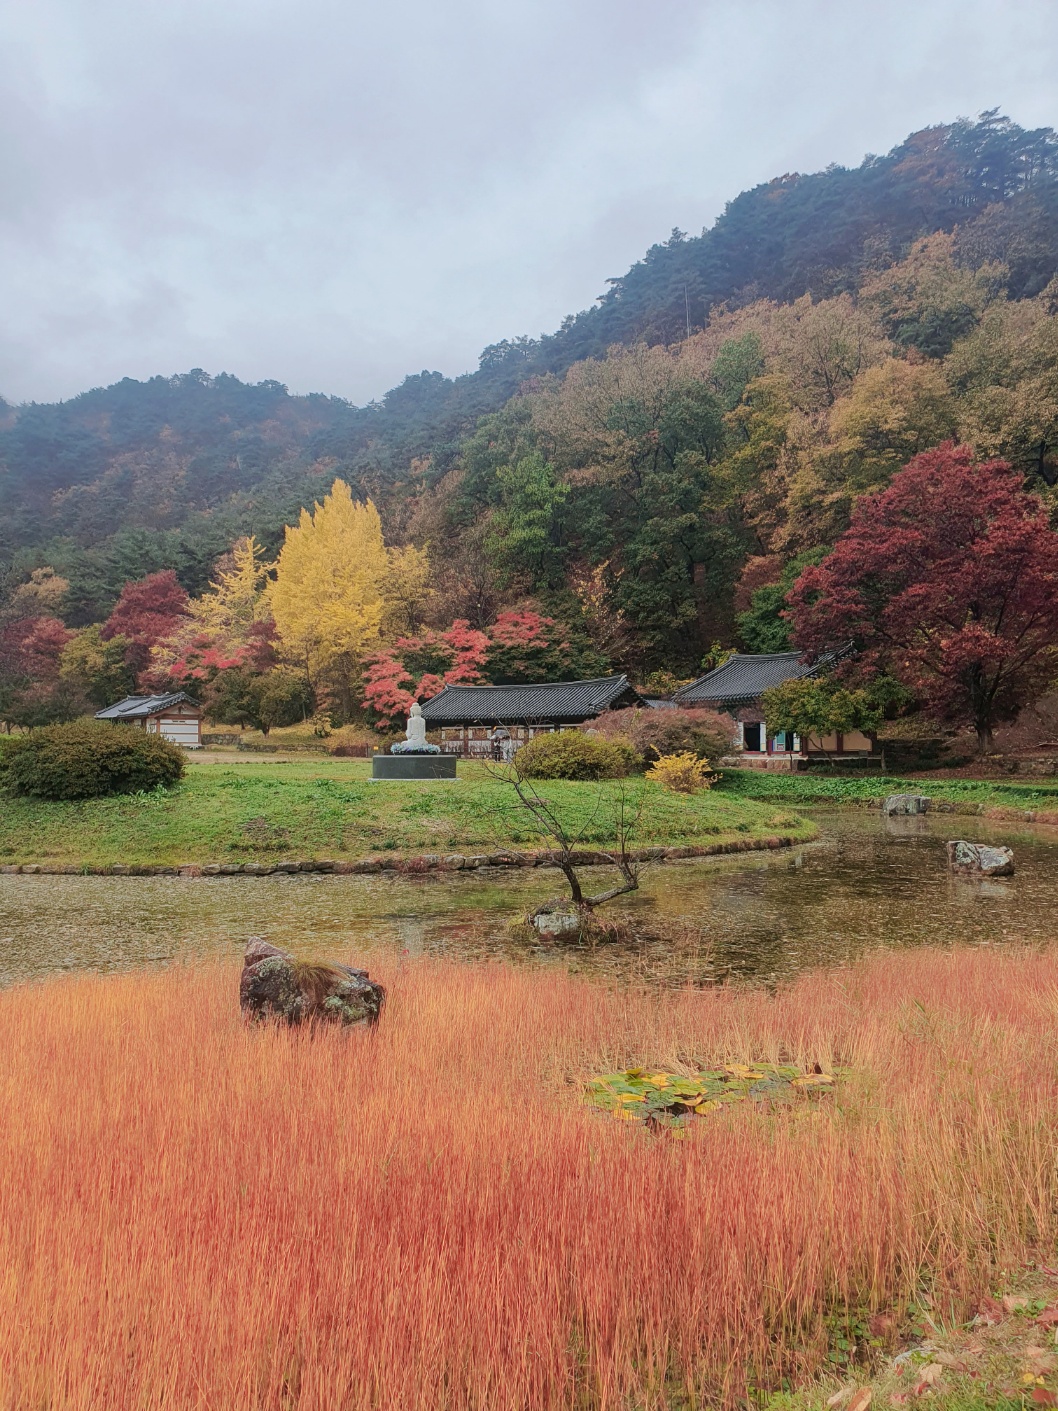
<point x="196" y="1214"/>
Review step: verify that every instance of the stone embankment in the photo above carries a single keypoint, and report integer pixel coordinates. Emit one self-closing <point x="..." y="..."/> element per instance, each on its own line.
<point x="427" y="862"/>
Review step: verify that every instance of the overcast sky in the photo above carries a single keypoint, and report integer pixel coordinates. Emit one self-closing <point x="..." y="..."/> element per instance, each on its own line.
<point x="338" y="192"/>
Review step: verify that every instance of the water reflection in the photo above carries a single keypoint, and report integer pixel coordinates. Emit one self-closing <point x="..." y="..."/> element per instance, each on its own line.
<point x="868" y="882"/>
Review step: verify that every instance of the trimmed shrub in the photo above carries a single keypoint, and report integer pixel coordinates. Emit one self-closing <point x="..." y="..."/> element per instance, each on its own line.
<point x="654" y="733"/>
<point x="572" y="754"/>
<point x="86" y="760"/>
<point x="683" y="773"/>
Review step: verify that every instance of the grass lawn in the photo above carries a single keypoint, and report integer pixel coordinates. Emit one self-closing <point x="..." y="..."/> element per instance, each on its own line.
<point x="264" y="811"/>
<point x="968" y="795"/>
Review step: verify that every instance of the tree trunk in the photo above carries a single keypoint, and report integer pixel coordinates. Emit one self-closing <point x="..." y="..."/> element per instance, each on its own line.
<point x="984" y="736"/>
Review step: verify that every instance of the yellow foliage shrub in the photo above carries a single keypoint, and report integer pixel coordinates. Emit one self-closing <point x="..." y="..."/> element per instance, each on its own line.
<point x="683" y="773"/>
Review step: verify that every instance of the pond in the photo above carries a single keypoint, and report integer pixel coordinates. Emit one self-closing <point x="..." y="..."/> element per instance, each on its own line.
<point x="867" y="882"/>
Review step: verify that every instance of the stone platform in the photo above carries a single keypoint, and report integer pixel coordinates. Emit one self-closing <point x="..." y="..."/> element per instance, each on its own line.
<point x="413" y="766"/>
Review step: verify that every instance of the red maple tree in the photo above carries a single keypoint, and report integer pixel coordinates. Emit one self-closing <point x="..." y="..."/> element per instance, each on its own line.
<point x="31" y="690"/>
<point x="148" y="610"/>
<point x="947" y="580"/>
<point x="416" y="668"/>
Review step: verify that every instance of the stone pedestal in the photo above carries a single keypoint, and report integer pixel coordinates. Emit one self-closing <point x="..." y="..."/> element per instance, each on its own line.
<point x="413" y="766"/>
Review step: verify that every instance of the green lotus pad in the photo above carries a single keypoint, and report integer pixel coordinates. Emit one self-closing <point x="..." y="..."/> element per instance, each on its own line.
<point x="648" y="1095"/>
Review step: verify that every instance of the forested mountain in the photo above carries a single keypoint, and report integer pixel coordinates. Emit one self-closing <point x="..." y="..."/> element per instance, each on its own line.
<point x="651" y="474"/>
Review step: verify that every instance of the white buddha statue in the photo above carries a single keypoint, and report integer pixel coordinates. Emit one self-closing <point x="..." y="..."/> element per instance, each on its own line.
<point x="416" y="742"/>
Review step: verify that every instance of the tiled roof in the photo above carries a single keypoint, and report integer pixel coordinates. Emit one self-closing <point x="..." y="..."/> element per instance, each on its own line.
<point x="134" y="707"/>
<point x="743" y="678"/>
<point x="559" y="700"/>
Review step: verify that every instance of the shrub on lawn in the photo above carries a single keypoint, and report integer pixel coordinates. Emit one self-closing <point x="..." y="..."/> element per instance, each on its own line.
<point x="683" y="773"/>
<point x="572" y="754"/>
<point x="706" y="733"/>
<point x="87" y="759"/>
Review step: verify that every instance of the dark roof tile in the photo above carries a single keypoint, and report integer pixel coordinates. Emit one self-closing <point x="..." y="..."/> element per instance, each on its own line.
<point x="135" y="707"/>
<point x="551" y="701"/>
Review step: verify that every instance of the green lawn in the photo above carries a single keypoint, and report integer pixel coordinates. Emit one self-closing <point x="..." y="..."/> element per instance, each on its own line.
<point x="811" y="788"/>
<point x="265" y="811"/>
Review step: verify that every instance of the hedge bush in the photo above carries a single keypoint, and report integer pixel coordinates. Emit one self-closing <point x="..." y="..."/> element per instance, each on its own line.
<point x="682" y="773"/>
<point x="572" y="754"/>
<point x="662" y="732"/>
<point x="86" y="760"/>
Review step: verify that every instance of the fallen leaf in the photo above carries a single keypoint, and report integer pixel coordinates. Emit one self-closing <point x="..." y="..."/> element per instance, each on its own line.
<point x="900" y="1398"/>
<point x="1042" y="1397"/>
<point x="1042" y="1360"/>
<point x="973" y="1349"/>
<point x="929" y="1377"/>
<point x="1049" y="1317"/>
<point x="881" y="1325"/>
<point x="812" y="1080"/>
<point x="1014" y="1303"/>
<point x="839" y="1397"/>
<point x="861" y="1400"/>
<point x="949" y="1360"/>
<point x="990" y="1311"/>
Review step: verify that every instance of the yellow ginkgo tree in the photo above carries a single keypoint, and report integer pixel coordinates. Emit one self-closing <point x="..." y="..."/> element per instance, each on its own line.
<point x="328" y="596"/>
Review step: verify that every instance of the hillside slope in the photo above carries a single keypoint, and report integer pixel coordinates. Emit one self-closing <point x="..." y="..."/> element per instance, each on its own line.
<point x="124" y="481"/>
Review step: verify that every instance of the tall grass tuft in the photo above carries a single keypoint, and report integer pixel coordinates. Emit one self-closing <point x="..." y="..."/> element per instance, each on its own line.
<point x="194" y="1213"/>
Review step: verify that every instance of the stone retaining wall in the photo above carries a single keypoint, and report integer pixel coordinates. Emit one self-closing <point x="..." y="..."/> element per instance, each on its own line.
<point x="427" y="862"/>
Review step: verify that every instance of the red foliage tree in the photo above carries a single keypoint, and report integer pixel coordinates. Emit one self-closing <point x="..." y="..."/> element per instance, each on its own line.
<point x="31" y="690"/>
<point x="525" y="646"/>
<point x="147" y="611"/>
<point x="416" y="668"/>
<point x="947" y="580"/>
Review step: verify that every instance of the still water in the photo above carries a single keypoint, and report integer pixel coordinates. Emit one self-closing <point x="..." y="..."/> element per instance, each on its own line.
<point x="867" y="882"/>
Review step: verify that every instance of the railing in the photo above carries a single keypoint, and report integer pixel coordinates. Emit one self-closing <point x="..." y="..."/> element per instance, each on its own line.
<point x="473" y="749"/>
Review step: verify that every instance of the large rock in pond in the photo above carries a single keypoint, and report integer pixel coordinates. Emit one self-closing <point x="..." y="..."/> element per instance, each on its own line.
<point x="980" y="860"/>
<point x="899" y="804"/>
<point x="276" y="986"/>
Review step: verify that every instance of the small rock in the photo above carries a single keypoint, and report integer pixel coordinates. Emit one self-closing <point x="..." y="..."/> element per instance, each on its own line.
<point x="454" y="862"/>
<point x="905" y="803"/>
<point x="288" y="866"/>
<point x="562" y="921"/>
<point x="979" y="859"/>
<point x="231" y="869"/>
<point x="10" y="868"/>
<point x="367" y="864"/>
<point x="211" y="869"/>
<point x="276" y="986"/>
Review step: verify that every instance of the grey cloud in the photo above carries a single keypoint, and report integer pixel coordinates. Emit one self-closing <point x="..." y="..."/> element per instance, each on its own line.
<point x="336" y="194"/>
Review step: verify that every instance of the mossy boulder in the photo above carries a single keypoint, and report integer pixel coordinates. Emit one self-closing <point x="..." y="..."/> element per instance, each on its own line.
<point x="274" y="985"/>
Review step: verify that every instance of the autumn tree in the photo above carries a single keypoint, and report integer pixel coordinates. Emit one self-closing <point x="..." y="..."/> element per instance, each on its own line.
<point x="32" y="692"/>
<point x="327" y="598"/>
<point x="947" y="580"/>
<point x="147" y="611"/>
<point x="929" y="300"/>
<point x="97" y="667"/>
<point x="416" y="668"/>
<point x="1005" y="378"/>
<point x="227" y="627"/>
<point x="43" y="594"/>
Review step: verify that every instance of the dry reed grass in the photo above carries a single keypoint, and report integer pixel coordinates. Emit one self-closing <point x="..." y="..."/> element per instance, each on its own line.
<point x="197" y="1214"/>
